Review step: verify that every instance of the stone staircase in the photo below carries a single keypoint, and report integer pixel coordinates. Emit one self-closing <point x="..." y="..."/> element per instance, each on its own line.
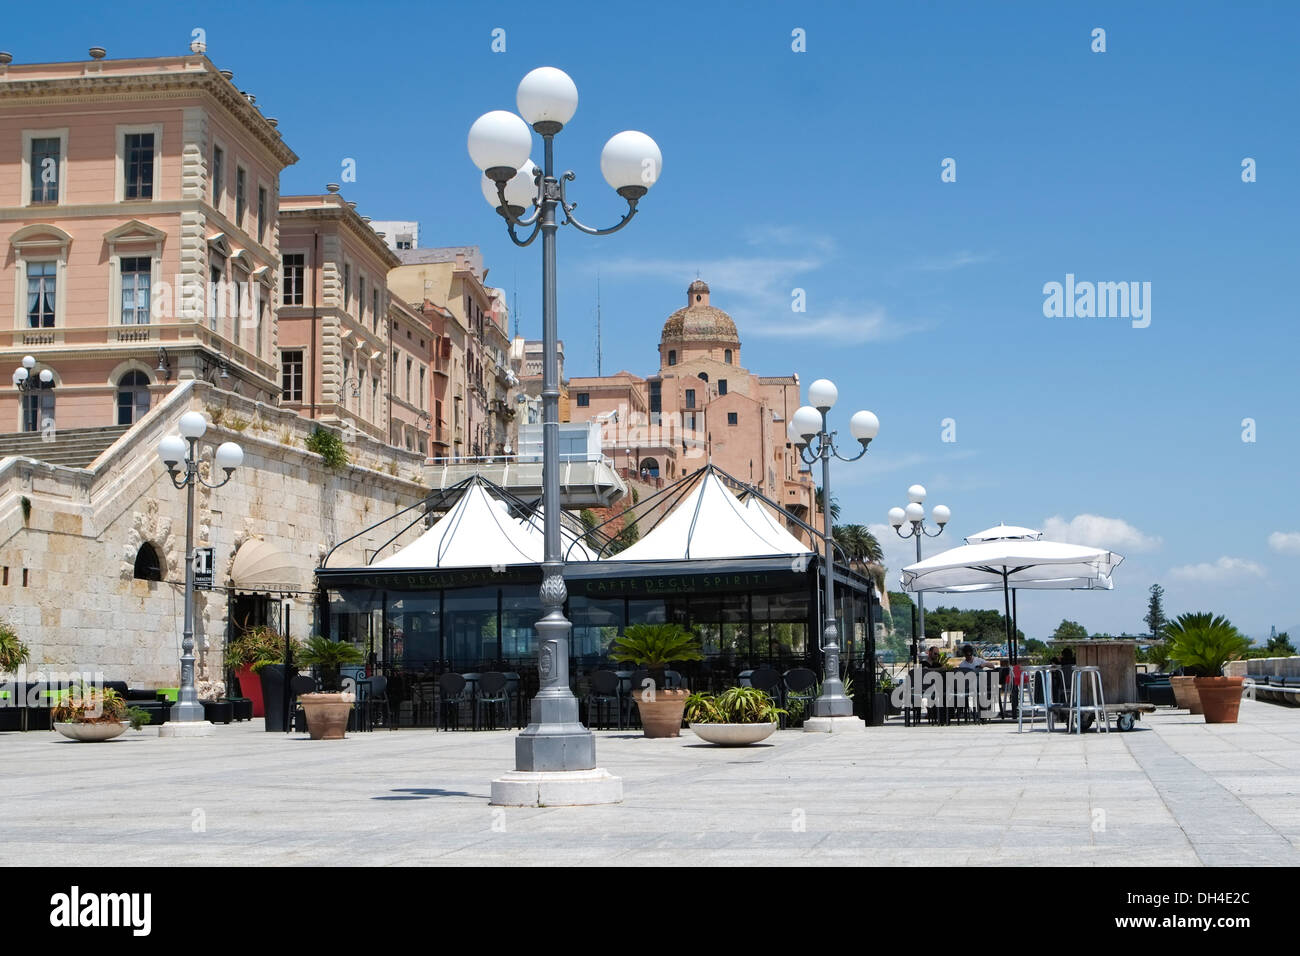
<point x="74" y="447"/>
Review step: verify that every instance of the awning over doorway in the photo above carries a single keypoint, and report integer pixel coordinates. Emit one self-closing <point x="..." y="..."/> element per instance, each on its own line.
<point x="260" y="567"/>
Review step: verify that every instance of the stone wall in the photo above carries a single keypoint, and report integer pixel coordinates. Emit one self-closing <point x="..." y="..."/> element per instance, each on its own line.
<point x="1273" y="666"/>
<point x="69" y="585"/>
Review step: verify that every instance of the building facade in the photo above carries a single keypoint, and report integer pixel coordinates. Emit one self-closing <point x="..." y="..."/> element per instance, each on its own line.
<point x="351" y="353"/>
<point x="701" y="405"/>
<point x="138" y="223"/>
<point x="480" y="383"/>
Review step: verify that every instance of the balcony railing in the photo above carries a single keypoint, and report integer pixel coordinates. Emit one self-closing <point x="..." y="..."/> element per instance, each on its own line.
<point x="170" y="334"/>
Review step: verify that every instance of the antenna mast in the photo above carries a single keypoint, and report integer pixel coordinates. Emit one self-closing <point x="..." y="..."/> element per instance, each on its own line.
<point x="599" y="357"/>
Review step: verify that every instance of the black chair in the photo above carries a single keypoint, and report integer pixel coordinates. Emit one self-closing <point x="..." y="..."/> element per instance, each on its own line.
<point x="800" y="687"/>
<point x="768" y="681"/>
<point x="602" y="691"/>
<point x="375" y="702"/>
<point x="492" y="694"/>
<point x="451" y="694"/>
<point x="636" y="687"/>
<point x="298" y="685"/>
<point x="515" y="691"/>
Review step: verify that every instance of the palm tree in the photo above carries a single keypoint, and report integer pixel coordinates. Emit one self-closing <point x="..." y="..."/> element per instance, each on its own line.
<point x="862" y="550"/>
<point x="835" y="506"/>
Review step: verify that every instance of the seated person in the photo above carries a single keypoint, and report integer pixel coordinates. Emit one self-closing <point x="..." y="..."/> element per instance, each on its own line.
<point x="969" y="662"/>
<point x="932" y="659"/>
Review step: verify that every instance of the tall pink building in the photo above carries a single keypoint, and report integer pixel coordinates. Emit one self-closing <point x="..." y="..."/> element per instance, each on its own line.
<point x="701" y="405"/>
<point x="138" y="210"/>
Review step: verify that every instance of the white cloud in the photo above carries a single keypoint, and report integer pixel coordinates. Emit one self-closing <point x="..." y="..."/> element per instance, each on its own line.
<point x="758" y="293"/>
<point x="1098" y="532"/>
<point x="899" y="553"/>
<point x="759" y="279"/>
<point x="1285" y="542"/>
<point x="954" y="261"/>
<point x="845" y="327"/>
<point x="1224" y="568"/>
<point x="787" y="235"/>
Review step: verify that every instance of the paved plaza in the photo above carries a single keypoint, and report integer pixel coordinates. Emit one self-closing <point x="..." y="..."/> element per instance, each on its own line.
<point x="1174" y="791"/>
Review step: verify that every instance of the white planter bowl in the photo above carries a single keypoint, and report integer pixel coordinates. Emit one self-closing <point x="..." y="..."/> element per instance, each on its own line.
<point x="90" y="733"/>
<point x="733" y="735"/>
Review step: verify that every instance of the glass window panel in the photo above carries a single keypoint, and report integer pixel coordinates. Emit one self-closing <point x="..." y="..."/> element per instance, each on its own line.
<point x="139" y="166"/>
<point x="414" y="630"/>
<point x="45" y="170"/>
<point x="470" y="622"/>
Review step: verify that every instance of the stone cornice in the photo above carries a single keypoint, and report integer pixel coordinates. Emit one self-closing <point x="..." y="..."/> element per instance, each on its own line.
<point x="146" y="87"/>
<point x="338" y="211"/>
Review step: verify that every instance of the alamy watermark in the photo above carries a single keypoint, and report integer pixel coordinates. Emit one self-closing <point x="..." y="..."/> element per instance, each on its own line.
<point x="1102" y="300"/>
<point x="41" y="688"/>
<point x="941" y="688"/>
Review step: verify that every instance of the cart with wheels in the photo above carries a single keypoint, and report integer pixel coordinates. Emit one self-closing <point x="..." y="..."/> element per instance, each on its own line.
<point x="1126" y="716"/>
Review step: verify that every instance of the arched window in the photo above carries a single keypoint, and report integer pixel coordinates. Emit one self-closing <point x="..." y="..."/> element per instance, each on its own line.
<point x="132" y="397"/>
<point x="726" y="356"/>
<point x="147" y="565"/>
<point x="672" y="356"/>
<point x="704" y="376"/>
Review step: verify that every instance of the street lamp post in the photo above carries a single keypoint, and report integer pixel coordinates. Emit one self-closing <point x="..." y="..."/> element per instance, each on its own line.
<point x="180" y="453"/>
<point x="22" y="376"/>
<point x="914" y="516"/>
<point x="555" y="741"/>
<point x="810" y="433"/>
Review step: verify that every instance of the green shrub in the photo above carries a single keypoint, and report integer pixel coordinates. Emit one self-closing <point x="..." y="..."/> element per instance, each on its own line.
<point x="1202" y="643"/>
<point x="13" y="652"/>
<point x="655" y="646"/>
<point x="329" y="446"/>
<point x="329" y="658"/>
<point x="735" y="705"/>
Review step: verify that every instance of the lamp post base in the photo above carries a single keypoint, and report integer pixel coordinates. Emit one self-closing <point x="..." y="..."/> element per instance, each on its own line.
<point x="187" y="728"/>
<point x="832" y="725"/>
<point x="571" y="788"/>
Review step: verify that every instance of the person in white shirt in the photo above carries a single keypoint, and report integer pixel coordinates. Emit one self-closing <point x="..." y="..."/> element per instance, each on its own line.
<point x="969" y="662"/>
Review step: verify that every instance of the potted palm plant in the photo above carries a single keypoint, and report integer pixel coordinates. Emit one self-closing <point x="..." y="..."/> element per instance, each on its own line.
<point x="1203" y="643"/>
<point x="735" y="718"/>
<point x="652" y="647"/>
<point x="327" y="711"/>
<point x="93" y="714"/>
<point x="247" y="654"/>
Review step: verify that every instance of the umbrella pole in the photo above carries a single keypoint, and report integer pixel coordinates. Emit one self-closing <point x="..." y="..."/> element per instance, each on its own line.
<point x="1015" y="616"/>
<point x="1006" y="601"/>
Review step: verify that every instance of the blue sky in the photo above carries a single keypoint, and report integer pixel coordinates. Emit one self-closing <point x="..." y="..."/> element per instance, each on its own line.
<point x="820" y="170"/>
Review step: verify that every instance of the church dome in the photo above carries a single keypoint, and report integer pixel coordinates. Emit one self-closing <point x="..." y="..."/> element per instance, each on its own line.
<point x="699" y="321"/>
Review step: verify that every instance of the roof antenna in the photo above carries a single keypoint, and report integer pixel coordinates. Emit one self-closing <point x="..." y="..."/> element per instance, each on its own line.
<point x="599" y="356"/>
<point x="514" y="308"/>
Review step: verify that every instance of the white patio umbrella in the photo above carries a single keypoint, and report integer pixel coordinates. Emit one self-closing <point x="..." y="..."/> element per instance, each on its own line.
<point x="1013" y="563"/>
<point x="1004" y="532"/>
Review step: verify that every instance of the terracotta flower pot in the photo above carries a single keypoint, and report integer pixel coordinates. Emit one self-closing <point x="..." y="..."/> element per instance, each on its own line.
<point x="1220" y="698"/>
<point x="327" y="714"/>
<point x="1185" y="693"/>
<point x="662" y="717"/>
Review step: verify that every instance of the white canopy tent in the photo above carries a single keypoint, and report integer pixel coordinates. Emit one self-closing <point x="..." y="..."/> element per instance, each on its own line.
<point x="711" y="523"/>
<point x="477" y="532"/>
<point x="767" y="524"/>
<point x="572" y="547"/>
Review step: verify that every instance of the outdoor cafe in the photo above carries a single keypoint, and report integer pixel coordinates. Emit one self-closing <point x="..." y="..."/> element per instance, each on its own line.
<point x="462" y="599"/>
